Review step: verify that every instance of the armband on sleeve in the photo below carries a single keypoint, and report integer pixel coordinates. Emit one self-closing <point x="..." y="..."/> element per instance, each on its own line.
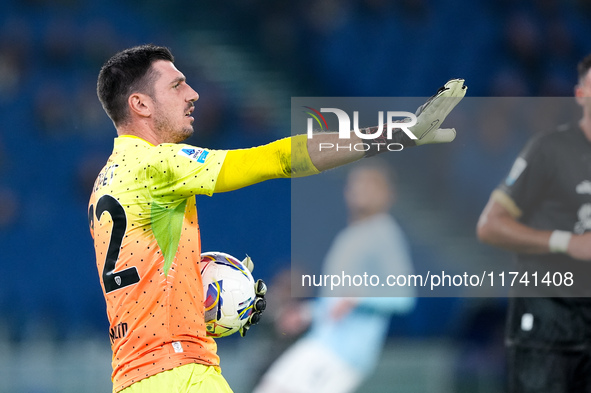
<point x="507" y="202"/>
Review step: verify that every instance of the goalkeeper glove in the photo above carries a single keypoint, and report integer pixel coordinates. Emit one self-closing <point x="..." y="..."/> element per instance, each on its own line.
<point x="248" y="263"/>
<point x="430" y="115"/>
<point x="259" y="305"/>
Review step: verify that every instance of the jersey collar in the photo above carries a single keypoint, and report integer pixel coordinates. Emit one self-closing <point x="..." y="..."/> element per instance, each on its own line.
<point x="127" y="139"/>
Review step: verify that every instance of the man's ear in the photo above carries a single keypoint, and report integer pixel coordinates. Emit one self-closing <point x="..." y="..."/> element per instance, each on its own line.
<point x="140" y="104"/>
<point x="579" y="94"/>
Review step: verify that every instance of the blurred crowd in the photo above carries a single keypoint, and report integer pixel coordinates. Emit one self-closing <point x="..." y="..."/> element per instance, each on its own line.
<point x="383" y="48"/>
<point x="54" y="135"/>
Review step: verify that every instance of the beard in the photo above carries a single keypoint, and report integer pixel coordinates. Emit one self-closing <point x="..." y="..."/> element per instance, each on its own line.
<point x="170" y="132"/>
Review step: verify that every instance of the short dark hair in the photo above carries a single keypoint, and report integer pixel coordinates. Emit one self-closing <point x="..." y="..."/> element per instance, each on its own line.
<point x="127" y="72"/>
<point x="583" y="67"/>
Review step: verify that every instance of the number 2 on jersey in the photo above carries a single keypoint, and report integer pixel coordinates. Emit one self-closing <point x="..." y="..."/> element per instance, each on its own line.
<point x="113" y="280"/>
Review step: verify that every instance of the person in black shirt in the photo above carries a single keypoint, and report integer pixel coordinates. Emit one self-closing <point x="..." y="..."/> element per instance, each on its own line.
<point x="542" y="212"/>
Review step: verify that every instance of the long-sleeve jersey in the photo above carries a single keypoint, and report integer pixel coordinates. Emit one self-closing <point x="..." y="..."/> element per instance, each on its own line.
<point x="144" y="223"/>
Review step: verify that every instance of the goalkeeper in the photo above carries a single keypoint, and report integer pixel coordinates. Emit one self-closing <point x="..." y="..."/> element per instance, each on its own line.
<point x="143" y="217"/>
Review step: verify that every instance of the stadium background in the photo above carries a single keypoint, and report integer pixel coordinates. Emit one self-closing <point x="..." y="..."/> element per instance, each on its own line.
<point x="246" y="59"/>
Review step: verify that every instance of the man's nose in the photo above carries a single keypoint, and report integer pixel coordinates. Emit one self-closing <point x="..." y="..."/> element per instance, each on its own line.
<point x="194" y="96"/>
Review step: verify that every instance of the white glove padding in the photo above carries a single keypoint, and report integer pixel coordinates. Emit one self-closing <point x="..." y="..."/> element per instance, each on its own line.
<point x="432" y="113"/>
<point x="248" y="263"/>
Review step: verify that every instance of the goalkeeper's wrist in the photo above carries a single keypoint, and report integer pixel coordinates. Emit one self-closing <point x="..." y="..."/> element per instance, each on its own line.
<point x="381" y="143"/>
<point x="558" y="242"/>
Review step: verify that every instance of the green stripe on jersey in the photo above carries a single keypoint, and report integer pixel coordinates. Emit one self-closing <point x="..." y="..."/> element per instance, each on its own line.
<point x="167" y="224"/>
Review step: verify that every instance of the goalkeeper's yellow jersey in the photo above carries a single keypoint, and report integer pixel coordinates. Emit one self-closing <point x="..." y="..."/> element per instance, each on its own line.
<point x="143" y="219"/>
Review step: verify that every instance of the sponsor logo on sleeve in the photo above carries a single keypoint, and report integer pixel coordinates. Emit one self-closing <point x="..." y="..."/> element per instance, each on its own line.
<point x="195" y="154"/>
<point x="516" y="171"/>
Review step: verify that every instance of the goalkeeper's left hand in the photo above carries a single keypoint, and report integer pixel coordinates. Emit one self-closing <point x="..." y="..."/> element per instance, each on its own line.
<point x="259" y="305"/>
<point x="429" y="117"/>
<point x="431" y="114"/>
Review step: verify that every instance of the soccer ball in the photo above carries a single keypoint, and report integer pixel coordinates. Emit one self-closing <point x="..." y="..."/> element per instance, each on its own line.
<point x="229" y="293"/>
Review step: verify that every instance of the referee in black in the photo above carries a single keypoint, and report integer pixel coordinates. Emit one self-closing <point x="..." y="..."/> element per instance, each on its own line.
<point x="542" y="212"/>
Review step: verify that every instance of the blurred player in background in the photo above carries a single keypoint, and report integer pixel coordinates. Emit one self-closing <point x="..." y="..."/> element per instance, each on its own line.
<point x="347" y="334"/>
<point x="143" y="217"/>
<point x="542" y="212"/>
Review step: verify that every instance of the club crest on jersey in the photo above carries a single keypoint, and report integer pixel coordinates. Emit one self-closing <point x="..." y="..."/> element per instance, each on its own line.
<point x="195" y="154"/>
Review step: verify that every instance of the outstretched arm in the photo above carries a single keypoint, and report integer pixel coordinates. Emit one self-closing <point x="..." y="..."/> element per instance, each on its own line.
<point x="299" y="156"/>
<point x="287" y="157"/>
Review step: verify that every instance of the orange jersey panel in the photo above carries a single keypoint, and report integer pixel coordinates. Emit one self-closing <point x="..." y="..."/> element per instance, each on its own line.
<point x="144" y="223"/>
